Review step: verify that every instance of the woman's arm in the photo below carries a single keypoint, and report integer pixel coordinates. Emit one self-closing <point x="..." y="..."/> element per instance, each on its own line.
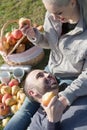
<point x="78" y="87"/>
<point x="52" y="29"/>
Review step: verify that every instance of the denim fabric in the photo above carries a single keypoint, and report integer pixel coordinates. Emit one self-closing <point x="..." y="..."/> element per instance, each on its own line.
<point x="75" y="118"/>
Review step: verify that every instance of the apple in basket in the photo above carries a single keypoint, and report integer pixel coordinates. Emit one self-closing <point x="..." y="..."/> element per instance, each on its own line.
<point x="21" y="48"/>
<point x="24" y="21"/>
<point x="13" y="82"/>
<point x="5" y="45"/>
<point x="1" y="97"/>
<point x="11" y="40"/>
<point x="4" y="110"/>
<point x="17" y="34"/>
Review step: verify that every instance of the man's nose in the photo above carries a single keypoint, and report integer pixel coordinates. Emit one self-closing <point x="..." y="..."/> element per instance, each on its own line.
<point x="47" y="75"/>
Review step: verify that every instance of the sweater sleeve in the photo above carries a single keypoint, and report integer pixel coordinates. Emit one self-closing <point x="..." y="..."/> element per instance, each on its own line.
<point x="78" y="87"/>
<point x="51" y="28"/>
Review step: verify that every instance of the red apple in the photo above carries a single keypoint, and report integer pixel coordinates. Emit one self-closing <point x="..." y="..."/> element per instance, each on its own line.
<point x="5" y="97"/>
<point x="17" y="34"/>
<point x="23" y="22"/>
<point x="0" y="97"/>
<point x="13" y="82"/>
<point x="46" y="98"/>
<point x="4" y="110"/>
<point x="11" y="40"/>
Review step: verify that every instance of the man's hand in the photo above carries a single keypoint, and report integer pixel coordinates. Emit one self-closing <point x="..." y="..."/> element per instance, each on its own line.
<point x="54" y="110"/>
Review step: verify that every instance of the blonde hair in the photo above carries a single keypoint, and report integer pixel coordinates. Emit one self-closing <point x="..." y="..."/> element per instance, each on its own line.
<point x="81" y="3"/>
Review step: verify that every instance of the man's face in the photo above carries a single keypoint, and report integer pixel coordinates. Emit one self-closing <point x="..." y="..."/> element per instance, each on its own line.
<point x="43" y="81"/>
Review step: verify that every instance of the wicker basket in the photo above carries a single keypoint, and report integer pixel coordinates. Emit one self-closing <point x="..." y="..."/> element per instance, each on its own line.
<point x="31" y="56"/>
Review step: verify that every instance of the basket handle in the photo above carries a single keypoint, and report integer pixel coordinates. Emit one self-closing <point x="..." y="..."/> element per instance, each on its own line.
<point x="16" y="45"/>
<point x="2" y="34"/>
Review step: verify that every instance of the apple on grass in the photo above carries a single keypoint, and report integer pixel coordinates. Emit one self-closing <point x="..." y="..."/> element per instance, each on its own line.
<point x="13" y="82"/>
<point x="22" y="97"/>
<point x="10" y="101"/>
<point x="5" y="121"/>
<point x="19" y="93"/>
<point x="5" y="97"/>
<point x="15" y="89"/>
<point x="2" y="84"/>
<point x="14" y="108"/>
<point x="19" y="105"/>
<point x="5" y="89"/>
<point x="4" y="110"/>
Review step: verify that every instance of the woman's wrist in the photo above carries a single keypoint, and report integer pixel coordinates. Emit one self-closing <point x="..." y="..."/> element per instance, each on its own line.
<point x="64" y="101"/>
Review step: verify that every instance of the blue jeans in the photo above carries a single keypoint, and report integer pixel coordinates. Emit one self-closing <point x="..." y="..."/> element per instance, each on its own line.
<point x="75" y="118"/>
<point x="22" y="119"/>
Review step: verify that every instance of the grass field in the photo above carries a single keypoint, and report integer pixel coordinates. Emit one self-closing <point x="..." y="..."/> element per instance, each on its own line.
<point x="15" y="9"/>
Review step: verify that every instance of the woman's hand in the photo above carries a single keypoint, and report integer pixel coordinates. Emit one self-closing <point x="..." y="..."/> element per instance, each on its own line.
<point x="54" y="110"/>
<point x="28" y="31"/>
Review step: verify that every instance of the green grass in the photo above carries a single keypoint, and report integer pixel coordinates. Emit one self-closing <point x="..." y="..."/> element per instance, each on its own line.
<point x="15" y="9"/>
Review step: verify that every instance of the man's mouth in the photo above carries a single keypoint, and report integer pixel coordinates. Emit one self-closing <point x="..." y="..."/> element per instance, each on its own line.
<point x="53" y="81"/>
<point x="53" y="84"/>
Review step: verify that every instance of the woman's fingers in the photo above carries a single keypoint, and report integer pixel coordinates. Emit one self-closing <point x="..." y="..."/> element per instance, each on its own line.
<point x="28" y="31"/>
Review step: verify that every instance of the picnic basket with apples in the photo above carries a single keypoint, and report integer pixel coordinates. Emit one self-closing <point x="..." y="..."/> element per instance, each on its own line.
<point x="15" y="48"/>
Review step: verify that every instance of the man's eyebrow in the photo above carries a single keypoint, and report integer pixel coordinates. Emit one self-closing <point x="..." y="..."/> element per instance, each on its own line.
<point x="45" y="71"/>
<point x="38" y="74"/>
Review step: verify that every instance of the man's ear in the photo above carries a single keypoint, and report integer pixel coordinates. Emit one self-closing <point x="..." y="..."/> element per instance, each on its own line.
<point x="31" y="93"/>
